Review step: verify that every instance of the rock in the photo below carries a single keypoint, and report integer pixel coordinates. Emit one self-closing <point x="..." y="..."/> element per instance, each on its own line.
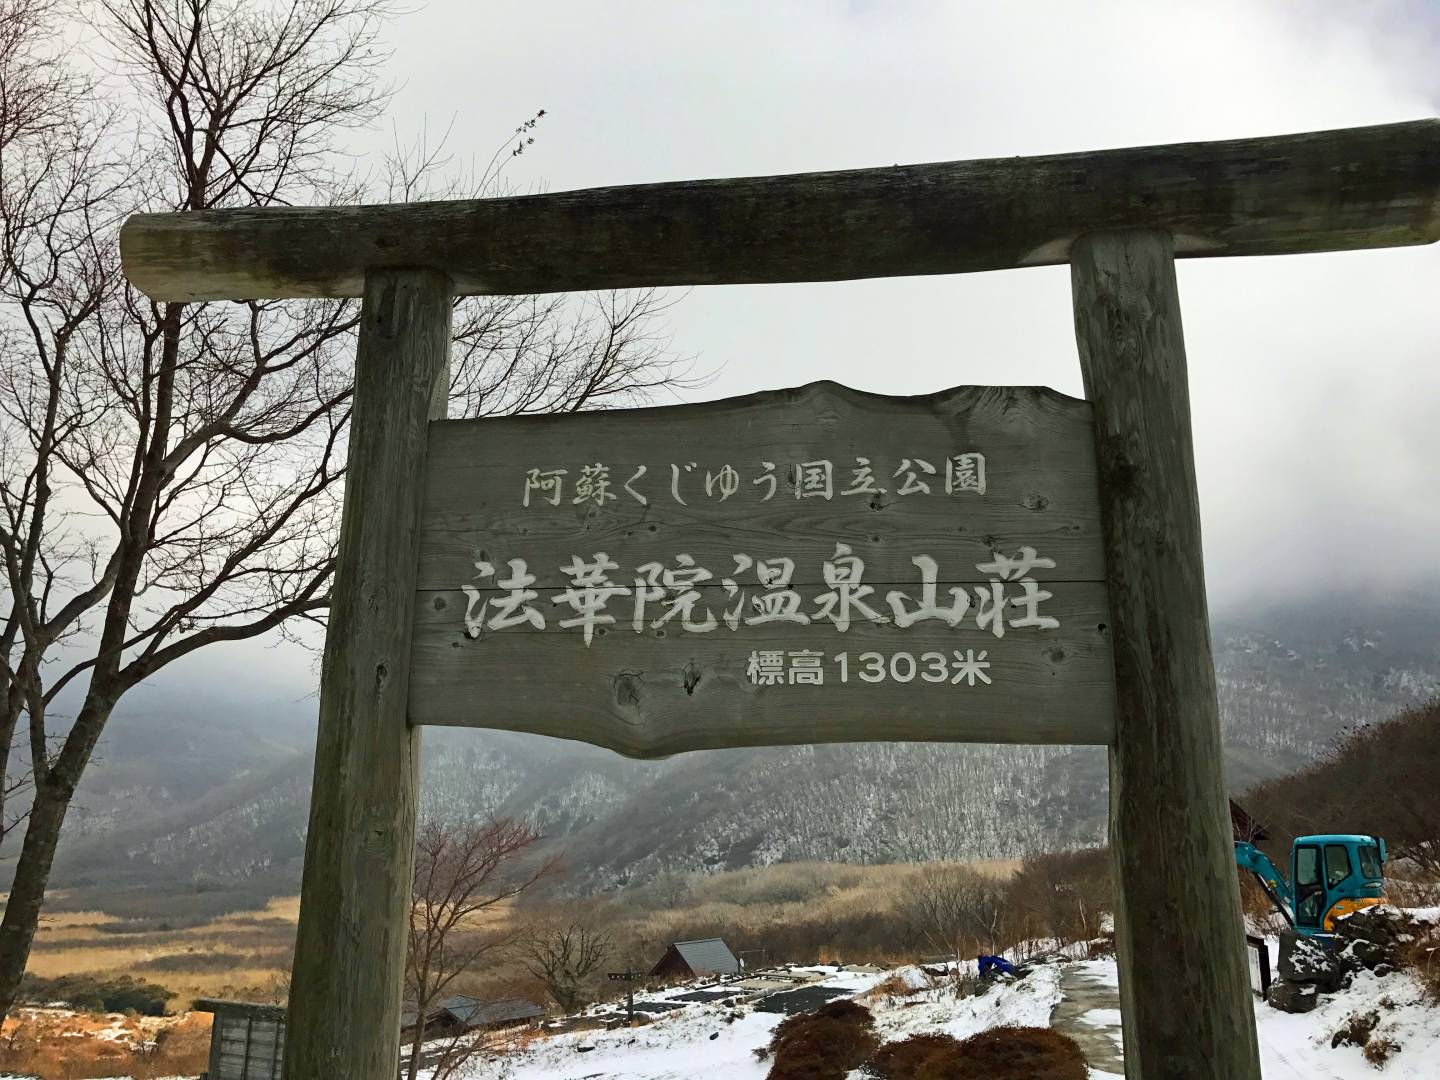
<point x="1348" y="961"/>
<point x="1356" y="1030"/>
<point x="1381" y="970"/>
<point x="1369" y="953"/>
<point x="1293" y="997"/>
<point x="1377" y="935"/>
<point x="1303" y="960"/>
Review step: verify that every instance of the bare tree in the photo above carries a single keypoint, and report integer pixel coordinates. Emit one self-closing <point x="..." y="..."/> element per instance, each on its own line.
<point x="565" y="952"/>
<point x="1062" y="895"/>
<point x="462" y="871"/>
<point x="1398" y="756"/>
<point x="170" y="473"/>
<point x="36" y="94"/>
<point x="951" y="906"/>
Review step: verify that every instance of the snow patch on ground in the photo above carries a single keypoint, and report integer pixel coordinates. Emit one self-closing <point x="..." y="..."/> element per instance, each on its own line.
<point x="1293" y="1047"/>
<point x="718" y="1042"/>
<point x="1104" y="972"/>
<point x="1297" y="1047"/>
<point x="706" y="1042"/>
<point x="1026" y="1003"/>
<point x="1101" y="1018"/>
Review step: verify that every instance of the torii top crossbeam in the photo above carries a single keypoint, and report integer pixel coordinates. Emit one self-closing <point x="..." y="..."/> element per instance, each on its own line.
<point x="1322" y="191"/>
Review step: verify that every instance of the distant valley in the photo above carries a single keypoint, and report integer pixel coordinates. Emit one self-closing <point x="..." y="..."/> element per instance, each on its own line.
<point x="201" y="801"/>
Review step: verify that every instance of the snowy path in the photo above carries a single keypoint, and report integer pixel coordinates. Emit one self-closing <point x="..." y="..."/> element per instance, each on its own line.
<point x="1090" y="1014"/>
<point x="1291" y="1047"/>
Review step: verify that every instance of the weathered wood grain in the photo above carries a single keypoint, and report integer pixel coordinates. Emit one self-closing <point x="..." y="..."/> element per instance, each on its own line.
<point x="1183" y="972"/>
<point x="344" y="1012"/>
<point x="1320" y="191"/>
<point x="1040" y="491"/>
<point x="666" y="690"/>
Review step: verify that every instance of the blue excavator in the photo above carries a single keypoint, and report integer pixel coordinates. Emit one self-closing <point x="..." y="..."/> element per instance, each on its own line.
<point x="1331" y="875"/>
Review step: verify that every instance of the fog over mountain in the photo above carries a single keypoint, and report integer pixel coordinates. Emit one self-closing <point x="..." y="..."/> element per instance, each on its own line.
<point x="212" y="795"/>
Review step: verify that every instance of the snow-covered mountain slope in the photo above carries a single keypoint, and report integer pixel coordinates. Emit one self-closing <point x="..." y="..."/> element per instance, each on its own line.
<point x="188" y="800"/>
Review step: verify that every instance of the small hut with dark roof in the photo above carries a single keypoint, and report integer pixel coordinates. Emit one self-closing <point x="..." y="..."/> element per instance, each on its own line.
<point x="460" y="1013"/>
<point x="688" y="959"/>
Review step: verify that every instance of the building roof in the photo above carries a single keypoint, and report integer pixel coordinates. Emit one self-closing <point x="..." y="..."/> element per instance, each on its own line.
<point x="472" y="1012"/>
<point x="254" y="1009"/>
<point x="710" y="956"/>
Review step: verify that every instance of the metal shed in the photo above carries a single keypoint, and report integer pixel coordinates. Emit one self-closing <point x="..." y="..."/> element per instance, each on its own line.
<point x="247" y="1040"/>
<point x="709" y="956"/>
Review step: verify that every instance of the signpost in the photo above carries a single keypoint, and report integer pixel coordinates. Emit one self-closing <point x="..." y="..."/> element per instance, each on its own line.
<point x="997" y="564"/>
<point x="629" y="978"/>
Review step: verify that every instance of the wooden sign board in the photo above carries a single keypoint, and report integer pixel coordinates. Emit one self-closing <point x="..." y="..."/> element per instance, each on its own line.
<point x="809" y="565"/>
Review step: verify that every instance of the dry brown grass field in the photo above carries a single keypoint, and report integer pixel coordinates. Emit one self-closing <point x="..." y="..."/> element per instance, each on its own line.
<point x="242" y="955"/>
<point x="246" y="954"/>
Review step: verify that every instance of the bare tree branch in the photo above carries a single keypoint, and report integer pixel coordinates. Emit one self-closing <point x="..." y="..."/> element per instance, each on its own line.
<point x="171" y="474"/>
<point x="463" y="871"/>
<point x="566" y="951"/>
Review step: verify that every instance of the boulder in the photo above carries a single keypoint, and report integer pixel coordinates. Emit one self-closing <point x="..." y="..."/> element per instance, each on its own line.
<point x="1293" y="997"/>
<point x="1370" y="955"/>
<point x="1377" y="935"/>
<point x="1306" y="961"/>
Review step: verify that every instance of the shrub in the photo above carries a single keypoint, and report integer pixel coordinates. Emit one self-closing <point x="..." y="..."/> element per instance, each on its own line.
<point x="1101" y="947"/>
<point x="1011" y="1053"/>
<point x="57" y="1047"/>
<point x="1410" y="886"/>
<point x="916" y="1057"/>
<point x="1422" y="959"/>
<point x="1062" y="895"/>
<point x="823" y="1045"/>
<point x="893" y="986"/>
<point x="98" y="993"/>
<point x="1378" y="1051"/>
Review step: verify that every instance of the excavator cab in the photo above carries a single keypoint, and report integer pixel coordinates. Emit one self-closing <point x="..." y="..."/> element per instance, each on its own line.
<point x="1332" y="875"/>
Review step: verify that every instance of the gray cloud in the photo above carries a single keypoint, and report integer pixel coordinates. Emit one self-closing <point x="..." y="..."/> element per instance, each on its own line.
<point x="1314" y="379"/>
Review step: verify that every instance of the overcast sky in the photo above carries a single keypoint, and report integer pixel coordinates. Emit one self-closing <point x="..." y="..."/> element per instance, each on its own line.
<point x="1314" y="379"/>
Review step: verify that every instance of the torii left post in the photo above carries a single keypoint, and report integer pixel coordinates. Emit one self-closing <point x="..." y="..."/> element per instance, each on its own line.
<point x="346" y="984"/>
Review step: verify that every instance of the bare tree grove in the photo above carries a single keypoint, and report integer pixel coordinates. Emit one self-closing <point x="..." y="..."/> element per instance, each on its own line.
<point x="464" y="873"/>
<point x="170" y="474"/>
<point x="949" y="907"/>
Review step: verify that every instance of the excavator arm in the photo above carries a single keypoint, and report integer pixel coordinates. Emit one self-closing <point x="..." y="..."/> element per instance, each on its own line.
<point x="1249" y="857"/>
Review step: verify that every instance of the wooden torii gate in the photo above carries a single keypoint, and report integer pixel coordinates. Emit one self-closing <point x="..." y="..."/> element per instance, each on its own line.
<point x="1119" y="218"/>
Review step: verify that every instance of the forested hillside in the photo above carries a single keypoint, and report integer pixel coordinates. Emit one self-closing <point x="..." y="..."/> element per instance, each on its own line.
<point x="205" y="801"/>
